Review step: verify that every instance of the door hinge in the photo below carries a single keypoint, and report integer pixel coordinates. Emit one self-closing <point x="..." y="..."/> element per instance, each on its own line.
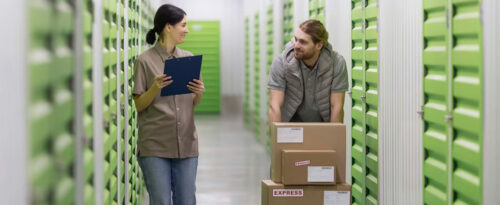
<point x="378" y="20"/>
<point x="420" y="112"/>
<point x="449" y="117"/>
<point x="378" y="31"/>
<point x="105" y="124"/>
<point x="113" y="116"/>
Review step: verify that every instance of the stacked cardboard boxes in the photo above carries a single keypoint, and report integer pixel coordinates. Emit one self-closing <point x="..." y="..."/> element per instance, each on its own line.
<point x="307" y="165"/>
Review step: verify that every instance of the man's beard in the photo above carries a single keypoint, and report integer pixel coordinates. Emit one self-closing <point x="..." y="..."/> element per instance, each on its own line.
<point x="303" y="55"/>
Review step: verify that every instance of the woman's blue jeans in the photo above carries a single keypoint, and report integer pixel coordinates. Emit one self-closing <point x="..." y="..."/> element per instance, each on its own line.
<point x="170" y="180"/>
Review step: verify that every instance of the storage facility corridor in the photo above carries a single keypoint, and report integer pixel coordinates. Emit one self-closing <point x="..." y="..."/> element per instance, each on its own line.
<point x="82" y="118"/>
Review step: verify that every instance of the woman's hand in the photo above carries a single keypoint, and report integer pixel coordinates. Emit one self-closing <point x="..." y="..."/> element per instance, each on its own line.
<point x="162" y="81"/>
<point x="196" y="86"/>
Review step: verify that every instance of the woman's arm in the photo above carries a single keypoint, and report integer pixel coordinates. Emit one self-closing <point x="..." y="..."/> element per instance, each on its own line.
<point x="144" y="100"/>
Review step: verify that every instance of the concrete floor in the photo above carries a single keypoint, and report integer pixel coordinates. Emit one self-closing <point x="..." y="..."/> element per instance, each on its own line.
<point x="232" y="163"/>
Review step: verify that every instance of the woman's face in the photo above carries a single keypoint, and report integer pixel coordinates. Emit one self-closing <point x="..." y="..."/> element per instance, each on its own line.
<point x="178" y="31"/>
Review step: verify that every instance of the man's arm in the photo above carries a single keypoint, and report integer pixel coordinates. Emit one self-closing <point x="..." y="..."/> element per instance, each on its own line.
<point x="337" y="107"/>
<point x="276" y="98"/>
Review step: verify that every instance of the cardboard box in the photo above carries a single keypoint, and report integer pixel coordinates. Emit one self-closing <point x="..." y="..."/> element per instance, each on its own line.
<point x="308" y="167"/>
<point x="278" y="194"/>
<point x="308" y="136"/>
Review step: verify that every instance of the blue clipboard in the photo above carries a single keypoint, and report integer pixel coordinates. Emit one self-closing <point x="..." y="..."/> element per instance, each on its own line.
<point x="183" y="70"/>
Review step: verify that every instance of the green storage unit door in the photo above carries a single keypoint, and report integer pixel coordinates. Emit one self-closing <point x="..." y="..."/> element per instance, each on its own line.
<point x="246" y="108"/>
<point x="453" y="94"/>
<point x="133" y="34"/>
<point x="287" y="21"/>
<point x="88" y="103"/>
<point x="467" y="102"/>
<point x="364" y="130"/>
<point x="256" y="78"/>
<point x="435" y="139"/>
<point x="51" y="102"/>
<point x="204" y="39"/>
<point x="371" y="101"/>
<point x="358" y="107"/>
<point x="51" y="65"/>
<point x="270" y="56"/>
<point x="121" y="96"/>
<point x="109" y="136"/>
<point x="317" y="10"/>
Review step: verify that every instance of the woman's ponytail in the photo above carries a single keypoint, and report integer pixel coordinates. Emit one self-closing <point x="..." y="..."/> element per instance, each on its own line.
<point x="151" y="37"/>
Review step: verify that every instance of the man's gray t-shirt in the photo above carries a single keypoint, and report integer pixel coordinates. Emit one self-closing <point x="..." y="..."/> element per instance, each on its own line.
<point x="308" y="110"/>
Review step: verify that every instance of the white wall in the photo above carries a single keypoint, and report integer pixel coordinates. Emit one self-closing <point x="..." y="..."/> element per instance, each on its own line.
<point x="230" y="15"/>
<point x="400" y="96"/>
<point x="300" y="12"/>
<point x="13" y="122"/>
<point x="338" y="24"/>
<point x="491" y="109"/>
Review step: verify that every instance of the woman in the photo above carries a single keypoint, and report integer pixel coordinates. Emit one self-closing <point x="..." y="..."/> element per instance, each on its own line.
<point x="168" y="142"/>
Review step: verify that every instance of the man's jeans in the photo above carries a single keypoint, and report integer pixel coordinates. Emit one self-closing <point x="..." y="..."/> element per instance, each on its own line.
<point x="170" y="180"/>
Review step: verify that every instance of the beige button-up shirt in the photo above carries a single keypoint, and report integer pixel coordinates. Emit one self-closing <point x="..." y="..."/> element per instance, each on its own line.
<point x="166" y="126"/>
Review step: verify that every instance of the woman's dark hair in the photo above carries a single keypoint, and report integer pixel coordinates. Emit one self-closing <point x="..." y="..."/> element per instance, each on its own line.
<point x="166" y="14"/>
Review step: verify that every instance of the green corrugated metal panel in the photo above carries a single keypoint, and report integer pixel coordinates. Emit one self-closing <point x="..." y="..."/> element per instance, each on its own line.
<point x="317" y="10"/>
<point x="467" y="95"/>
<point x="121" y="96"/>
<point x="204" y="39"/>
<point x="364" y="131"/>
<point x="452" y="102"/>
<point x="435" y="139"/>
<point x="247" y="73"/>
<point x="321" y="10"/>
<point x="313" y="5"/>
<point x="51" y="102"/>
<point x="109" y="62"/>
<point x="87" y="104"/>
<point x="256" y="78"/>
<point x="358" y="105"/>
<point x="371" y="101"/>
<point x="287" y="21"/>
<point x="269" y="52"/>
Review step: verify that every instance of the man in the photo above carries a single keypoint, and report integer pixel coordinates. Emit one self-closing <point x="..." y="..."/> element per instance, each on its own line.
<point x="307" y="82"/>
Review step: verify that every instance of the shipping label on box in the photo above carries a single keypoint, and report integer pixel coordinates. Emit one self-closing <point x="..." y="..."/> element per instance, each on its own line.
<point x="336" y="197"/>
<point x="308" y="167"/>
<point x="290" y="135"/>
<point x="302" y="163"/>
<point x="320" y="174"/>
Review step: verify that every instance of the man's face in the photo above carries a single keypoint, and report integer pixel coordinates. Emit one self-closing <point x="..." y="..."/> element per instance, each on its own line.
<point x="304" y="47"/>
